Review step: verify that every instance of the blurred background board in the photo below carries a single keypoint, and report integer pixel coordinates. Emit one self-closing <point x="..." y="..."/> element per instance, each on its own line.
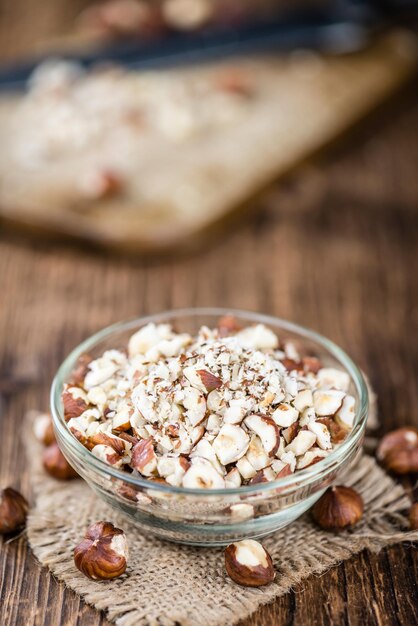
<point x="263" y="116"/>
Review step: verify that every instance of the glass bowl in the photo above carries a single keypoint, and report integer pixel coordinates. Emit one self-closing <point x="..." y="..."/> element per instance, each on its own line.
<point x="206" y="516"/>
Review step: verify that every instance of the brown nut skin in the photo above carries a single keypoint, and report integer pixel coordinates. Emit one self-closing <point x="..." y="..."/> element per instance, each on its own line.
<point x="79" y="372"/>
<point x="209" y="381"/>
<point x="13" y="511"/>
<point x="56" y="464"/>
<point x="398" y="451"/>
<point x="339" y="508"/>
<point x="249" y="575"/>
<point x="73" y="407"/>
<point x="413" y="516"/>
<point x="102" y="554"/>
<point x="402" y="461"/>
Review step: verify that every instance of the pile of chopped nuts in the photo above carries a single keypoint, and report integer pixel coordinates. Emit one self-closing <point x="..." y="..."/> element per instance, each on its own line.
<point x="228" y="407"/>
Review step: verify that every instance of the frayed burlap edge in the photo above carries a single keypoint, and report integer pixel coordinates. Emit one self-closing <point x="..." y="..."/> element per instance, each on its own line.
<point x="168" y="584"/>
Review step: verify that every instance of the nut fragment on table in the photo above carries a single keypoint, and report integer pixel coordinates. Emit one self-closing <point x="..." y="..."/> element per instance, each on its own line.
<point x="398" y="451"/>
<point x="226" y="407"/>
<point x="13" y="511"/>
<point x="249" y="564"/>
<point x="103" y="553"/>
<point x="338" y="508"/>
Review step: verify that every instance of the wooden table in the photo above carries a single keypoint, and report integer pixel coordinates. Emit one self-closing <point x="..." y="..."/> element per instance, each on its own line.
<point x="333" y="247"/>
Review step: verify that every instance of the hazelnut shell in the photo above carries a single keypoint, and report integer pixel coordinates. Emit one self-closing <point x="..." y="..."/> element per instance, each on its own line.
<point x="338" y="508"/>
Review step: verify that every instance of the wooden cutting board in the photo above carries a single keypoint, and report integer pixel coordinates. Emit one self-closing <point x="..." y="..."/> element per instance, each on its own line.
<point x="177" y="186"/>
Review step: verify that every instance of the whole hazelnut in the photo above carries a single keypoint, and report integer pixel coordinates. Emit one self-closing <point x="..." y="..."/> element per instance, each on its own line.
<point x="413" y="516"/>
<point x="103" y="552"/>
<point x="13" y="511"/>
<point x="398" y="451"/>
<point x="43" y="429"/>
<point x="338" y="508"/>
<point x="249" y="564"/>
<point x="56" y="464"/>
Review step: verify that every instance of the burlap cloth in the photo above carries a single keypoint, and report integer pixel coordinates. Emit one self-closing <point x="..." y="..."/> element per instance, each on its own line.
<point x="171" y="585"/>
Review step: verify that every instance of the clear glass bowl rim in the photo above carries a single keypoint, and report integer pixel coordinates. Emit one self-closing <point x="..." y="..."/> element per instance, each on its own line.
<point x="297" y="479"/>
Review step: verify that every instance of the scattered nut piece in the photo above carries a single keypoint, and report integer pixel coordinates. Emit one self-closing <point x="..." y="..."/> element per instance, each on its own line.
<point x="285" y="415"/>
<point x="249" y="564"/>
<point x="144" y="458"/>
<point x="344" y="417"/>
<point x="338" y="508"/>
<point x="103" y="553"/>
<point x="56" y="464"/>
<point x="79" y="373"/>
<point x="256" y="454"/>
<point x="202" y="475"/>
<point x="75" y="402"/>
<point x="233" y="479"/>
<point x="333" y="379"/>
<point x="265" y="475"/>
<point x="323" y="436"/>
<point x="245" y="468"/>
<point x="231" y="443"/>
<point x="267" y="430"/>
<point x="398" y="451"/>
<point x="301" y="443"/>
<point x="13" y="511"/>
<point x="327" y="402"/>
<point x="209" y="381"/>
<point x="413" y="516"/>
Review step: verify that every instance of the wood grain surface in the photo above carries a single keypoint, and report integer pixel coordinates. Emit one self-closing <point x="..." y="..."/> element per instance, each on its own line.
<point x="334" y="247"/>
